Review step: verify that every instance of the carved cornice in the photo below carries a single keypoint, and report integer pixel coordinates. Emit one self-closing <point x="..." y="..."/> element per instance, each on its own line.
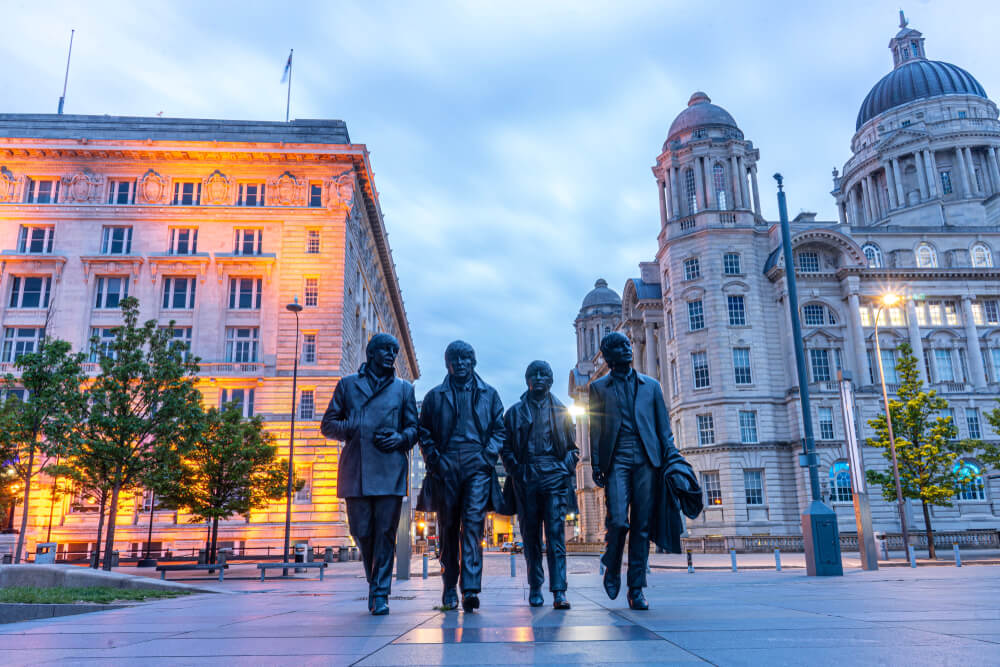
<point x="94" y="264"/>
<point x="165" y="264"/>
<point x="914" y="273"/>
<point x="253" y="264"/>
<point x="32" y="262"/>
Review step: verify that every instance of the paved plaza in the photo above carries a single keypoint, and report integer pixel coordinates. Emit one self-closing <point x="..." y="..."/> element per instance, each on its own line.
<point x="896" y="616"/>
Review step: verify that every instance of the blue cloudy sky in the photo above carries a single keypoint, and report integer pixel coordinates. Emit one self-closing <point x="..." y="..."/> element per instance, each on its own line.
<point x="511" y="141"/>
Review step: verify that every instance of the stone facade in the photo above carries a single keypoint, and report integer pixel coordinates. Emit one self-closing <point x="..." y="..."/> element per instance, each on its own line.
<point x="919" y="207"/>
<point x="216" y="225"/>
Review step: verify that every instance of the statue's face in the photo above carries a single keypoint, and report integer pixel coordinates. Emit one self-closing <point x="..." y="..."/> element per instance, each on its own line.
<point x="461" y="365"/>
<point x="539" y="380"/>
<point x="383" y="357"/>
<point x="619" y="352"/>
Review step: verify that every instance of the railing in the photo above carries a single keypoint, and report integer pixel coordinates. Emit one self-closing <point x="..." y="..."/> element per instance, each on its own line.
<point x="968" y="539"/>
<point x="687" y="224"/>
<point x="951" y="386"/>
<point x="727" y="218"/>
<point x="230" y="368"/>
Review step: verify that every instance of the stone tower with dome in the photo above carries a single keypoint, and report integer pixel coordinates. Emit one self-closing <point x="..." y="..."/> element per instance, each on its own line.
<point x="918" y="212"/>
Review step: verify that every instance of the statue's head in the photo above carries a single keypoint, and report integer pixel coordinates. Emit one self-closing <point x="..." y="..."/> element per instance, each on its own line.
<point x="539" y="377"/>
<point x="616" y="349"/>
<point x="381" y="353"/>
<point x="460" y="359"/>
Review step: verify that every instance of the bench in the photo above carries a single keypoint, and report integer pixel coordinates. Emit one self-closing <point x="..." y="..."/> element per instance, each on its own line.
<point x="163" y="569"/>
<point x="264" y="567"/>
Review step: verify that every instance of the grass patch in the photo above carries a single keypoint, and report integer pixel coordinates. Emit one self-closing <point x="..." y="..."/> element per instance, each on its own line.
<point x="98" y="594"/>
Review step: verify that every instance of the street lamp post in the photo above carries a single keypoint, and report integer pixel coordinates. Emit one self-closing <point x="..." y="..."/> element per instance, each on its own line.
<point x="890" y="300"/>
<point x="820" y="536"/>
<point x="293" y="307"/>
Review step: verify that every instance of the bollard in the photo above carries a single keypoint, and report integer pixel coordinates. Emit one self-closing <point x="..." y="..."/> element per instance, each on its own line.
<point x="913" y="556"/>
<point x="732" y="557"/>
<point x="513" y="564"/>
<point x="690" y="563"/>
<point x="777" y="560"/>
<point x="958" y="555"/>
<point x="885" y="549"/>
<point x="424" y="573"/>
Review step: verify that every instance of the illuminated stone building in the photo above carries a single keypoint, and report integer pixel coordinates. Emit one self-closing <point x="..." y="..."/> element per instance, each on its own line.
<point x="217" y="225"/>
<point x="919" y="209"/>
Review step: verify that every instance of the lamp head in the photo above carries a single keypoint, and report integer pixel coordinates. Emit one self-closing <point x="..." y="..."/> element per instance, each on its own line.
<point x="891" y="299"/>
<point x="294" y="306"/>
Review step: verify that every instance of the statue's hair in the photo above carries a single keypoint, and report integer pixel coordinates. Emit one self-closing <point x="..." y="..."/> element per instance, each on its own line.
<point x="535" y="365"/>
<point x="610" y="339"/>
<point x="457" y="347"/>
<point x="379" y="340"/>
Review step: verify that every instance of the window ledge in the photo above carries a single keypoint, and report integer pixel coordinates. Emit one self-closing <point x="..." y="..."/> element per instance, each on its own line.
<point x="93" y="264"/>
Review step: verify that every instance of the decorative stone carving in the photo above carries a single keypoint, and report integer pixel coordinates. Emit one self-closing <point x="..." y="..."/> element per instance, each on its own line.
<point x="341" y="190"/>
<point x="286" y="190"/>
<point x="8" y="185"/>
<point x="84" y="187"/>
<point x="153" y="188"/>
<point x="217" y="189"/>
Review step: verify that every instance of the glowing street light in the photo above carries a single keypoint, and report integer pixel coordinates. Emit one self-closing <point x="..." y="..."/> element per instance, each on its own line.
<point x="576" y="410"/>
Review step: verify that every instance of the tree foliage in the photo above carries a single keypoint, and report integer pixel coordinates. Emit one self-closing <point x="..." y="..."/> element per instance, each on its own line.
<point x="989" y="452"/>
<point x="926" y="445"/>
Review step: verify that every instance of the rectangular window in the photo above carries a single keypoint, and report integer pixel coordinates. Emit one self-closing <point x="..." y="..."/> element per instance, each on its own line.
<point x="182" y="341"/>
<point x="121" y="192"/>
<point x="896" y="317"/>
<point x="312" y="241"/>
<point x="110" y="291"/>
<point x="242" y="397"/>
<point x="865" y="316"/>
<point x="101" y="342"/>
<point x="808" y="262"/>
<point x="309" y="348"/>
<point x="731" y="265"/>
<point x="949" y="413"/>
<point x="753" y="484"/>
<point x="18" y="341"/>
<point x="741" y="366"/>
<point x="713" y="490"/>
<point x="312" y="292"/>
<point x="946" y="182"/>
<point x="670" y="325"/>
<point x="950" y="313"/>
<point x="248" y="241"/>
<point x="116" y="241"/>
<point x="737" y="311"/>
<point x="996" y="363"/>
<point x="889" y="366"/>
<point x="825" y="423"/>
<point x="315" y="195"/>
<point x="699" y="367"/>
<point x="812" y="315"/>
<point x="706" y="430"/>
<point x="41" y="191"/>
<point x="696" y="316"/>
<point x="178" y="293"/>
<point x="250" y="194"/>
<point x="676" y="379"/>
<point x="945" y="368"/>
<point x="819" y="360"/>
<point x="244" y="293"/>
<point x="30" y="291"/>
<point x="692" y="269"/>
<point x="242" y="345"/>
<point x="986" y="312"/>
<point x="183" y="241"/>
<point x="838" y="361"/>
<point x="963" y="365"/>
<point x="972" y="421"/>
<point x="935" y="312"/>
<point x="304" y="474"/>
<point x="35" y="240"/>
<point x="187" y="193"/>
<point x="307" y="404"/>
<point x="748" y="427"/>
<point x="921" y="316"/>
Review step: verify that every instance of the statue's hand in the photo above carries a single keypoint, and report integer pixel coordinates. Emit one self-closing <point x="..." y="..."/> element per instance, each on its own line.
<point x="680" y="482"/>
<point x="388" y="440"/>
<point x="599" y="479"/>
<point x="489" y="460"/>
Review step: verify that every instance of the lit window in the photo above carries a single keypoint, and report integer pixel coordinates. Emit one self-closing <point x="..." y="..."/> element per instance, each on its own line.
<point x="873" y="255"/>
<point x="950" y="313"/>
<point x="244" y="293"/>
<point x="741" y="366"/>
<point x="183" y="241"/>
<point x="963" y="114"/>
<point x="35" y="240"/>
<point x="309" y="348"/>
<point x="241" y="344"/>
<point x="116" y="241"/>
<point x="713" y="490"/>
<point x="840" y="482"/>
<point x="315" y="195"/>
<point x="696" y="316"/>
<point x="178" y="293"/>
<point x="946" y="182"/>
<point x="970" y="476"/>
<point x="737" y="311"/>
<point x="312" y="292"/>
<point x="691" y="191"/>
<point x="753" y="485"/>
<point x="243" y="398"/>
<point x="706" y="430"/>
<point x="865" y="315"/>
<point x="719" y="183"/>
<point x="30" y="291"/>
<point x="692" y="269"/>
<point x="825" y="423"/>
<point x="731" y="265"/>
<point x="808" y="262"/>
<point x="248" y="241"/>
<point x="250" y="194"/>
<point x="926" y="256"/>
<point x="889" y="366"/>
<point x="110" y="291"/>
<point x="819" y="360"/>
<point x="748" y="427"/>
<point x="981" y="256"/>
<point x="307" y="404"/>
<point x="945" y="368"/>
<point x="972" y="421"/>
<point x="312" y="241"/>
<point x="187" y="193"/>
<point x="699" y="367"/>
<point x="921" y="316"/>
<point x="18" y="341"/>
<point x="41" y="191"/>
<point x="304" y="474"/>
<point x="101" y="344"/>
<point x="121" y="192"/>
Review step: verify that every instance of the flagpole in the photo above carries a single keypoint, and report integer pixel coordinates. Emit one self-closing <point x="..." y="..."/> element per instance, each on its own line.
<point x="288" y="101"/>
<point x="62" y="100"/>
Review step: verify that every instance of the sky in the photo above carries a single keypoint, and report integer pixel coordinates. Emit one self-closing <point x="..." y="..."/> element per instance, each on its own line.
<point x="511" y="141"/>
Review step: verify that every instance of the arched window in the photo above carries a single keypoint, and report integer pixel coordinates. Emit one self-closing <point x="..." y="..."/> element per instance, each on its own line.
<point x="719" y="183"/>
<point x="840" y="482"/>
<point x="873" y="255"/>
<point x="970" y="478"/>
<point x="926" y="256"/>
<point x="981" y="256"/>
<point x="692" y="191"/>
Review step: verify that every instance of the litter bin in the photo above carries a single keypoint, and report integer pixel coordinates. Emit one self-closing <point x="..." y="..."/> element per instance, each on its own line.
<point x="8" y="559"/>
<point x="300" y="555"/>
<point x="343" y="554"/>
<point x="202" y="557"/>
<point x="114" y="559"/>
<point x="328" y="555"/>
<point x="355" y="553"/>
<point x="45" y="553"/>
<point x="881" y="547"/>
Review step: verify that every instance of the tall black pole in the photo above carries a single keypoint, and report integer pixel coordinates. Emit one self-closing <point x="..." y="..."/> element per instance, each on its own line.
<point x="52" y="505"/>
<point x="146" y="560"/>
<point x="295" y="308"/>
<point x="820" y="536"/>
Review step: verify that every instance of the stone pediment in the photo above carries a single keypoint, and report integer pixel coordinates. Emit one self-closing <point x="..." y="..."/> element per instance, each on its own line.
<point x="901" y="137"/>
<point x="178" y="264"/>
<point x="821" y="337"/>
<point x="33" y="262"/>
<point x="95" y="264"/>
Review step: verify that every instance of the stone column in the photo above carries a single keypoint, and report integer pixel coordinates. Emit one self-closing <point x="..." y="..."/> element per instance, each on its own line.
<point x="709" y="184"/>
<point x="866" y="198"/>
<point x="699" y="183"/>
<point x="890" y="182"/>
<point x="994" y="168"/>
<point x="744" y="196"/>
<point x="675" y="193"/>
<point x="734" y="171"/>
<point x="931" y="173"/>
<point x="861" y="372"/>
<point x="790" y="368"/>
<point x="661" y="187"/>
<point x="921" y="175"/>
<point x="934" y="172"/>
<point x="876" y="190"/>
<point x="650" y="349"/>
<point x="840" y="211"/>
<point x="963" y="172"/>
<point x="972" y="173"/>
<point x="900" y="195"/>
<point x="916" y="342"/>
<point x="856" y="218"/>
<point x="756" y="192"/>
<point x="975" y="353"/>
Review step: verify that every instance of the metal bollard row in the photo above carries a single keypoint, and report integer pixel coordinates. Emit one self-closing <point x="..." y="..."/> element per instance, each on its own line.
<point x="513" y="564"/>
<point x="958" y="555"/>
<point x="732" y="557"/>
<point x="424" y="573"/>
<point x="777" y="560"/>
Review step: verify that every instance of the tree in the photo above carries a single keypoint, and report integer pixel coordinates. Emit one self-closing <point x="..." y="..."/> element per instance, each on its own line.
<point x="990" y="452"/>
<point x="926" y="448"/>
<point x="231" y="469"/>
<point x="89" y="477"/>
<point x="143" y="411"/>
<point x="38" y="428"/>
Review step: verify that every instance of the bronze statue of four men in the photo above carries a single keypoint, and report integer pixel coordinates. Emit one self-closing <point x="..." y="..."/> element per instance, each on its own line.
<point x="462" y="431"/>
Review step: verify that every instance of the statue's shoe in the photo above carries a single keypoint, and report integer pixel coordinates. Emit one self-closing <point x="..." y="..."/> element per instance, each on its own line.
<point x="470" y="602"/>
<point x="636" y="600"/>
<point x="380" y="607"/>
<point x="449" y="600"/>
<point x="559" y="600"/>
<point x="535" y="599"/>
<point x="612" y="583"/>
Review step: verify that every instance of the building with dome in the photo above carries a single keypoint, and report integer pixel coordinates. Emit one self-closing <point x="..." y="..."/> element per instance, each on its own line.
<point x="919" y="209"/>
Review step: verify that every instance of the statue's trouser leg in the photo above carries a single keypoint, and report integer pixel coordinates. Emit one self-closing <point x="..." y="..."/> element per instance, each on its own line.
<point x="475" y="497"/>
<point x="642" y="476"/>
<point x="555" y="539"/>
<point x="361" y="520"/>
<point x="531" y="532"/>
<point x="386" y="512"/>
<point x="449" y="521"/>
<point x="618" y="496"/>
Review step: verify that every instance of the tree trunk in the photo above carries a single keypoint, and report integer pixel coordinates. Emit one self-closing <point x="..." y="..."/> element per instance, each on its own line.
<point x="930" y="533"/>
<point x="24" y="505"/>
<point x="215" y="540"/>
<point x="109" y="543"/>
<point x="100" y="531"/>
